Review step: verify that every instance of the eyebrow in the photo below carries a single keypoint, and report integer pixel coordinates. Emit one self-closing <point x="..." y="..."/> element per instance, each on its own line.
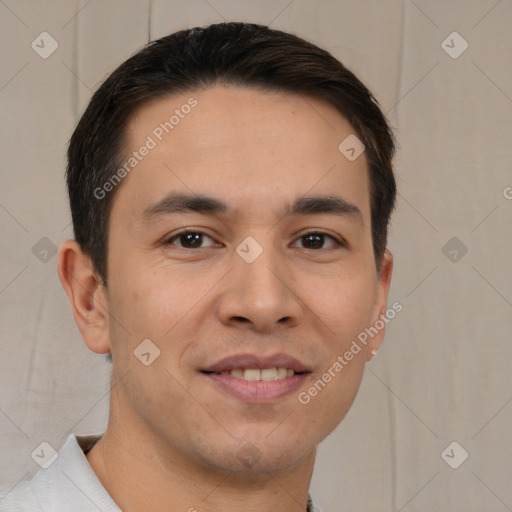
<point x="184" y="203"/>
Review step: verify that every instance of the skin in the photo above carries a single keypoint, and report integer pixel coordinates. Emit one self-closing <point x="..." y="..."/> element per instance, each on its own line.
<point x="174" y="439"/>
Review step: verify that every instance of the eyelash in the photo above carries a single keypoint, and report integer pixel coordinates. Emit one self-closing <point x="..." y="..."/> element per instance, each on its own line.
<point x="339" y="243"/>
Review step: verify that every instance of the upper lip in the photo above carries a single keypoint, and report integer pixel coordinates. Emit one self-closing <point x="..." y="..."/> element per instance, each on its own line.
<point x="245" y="361"/>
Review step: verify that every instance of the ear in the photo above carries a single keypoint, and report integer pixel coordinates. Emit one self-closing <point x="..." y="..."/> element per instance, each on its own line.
<point x="87" y="296"/>
<point x="378" y="323"/>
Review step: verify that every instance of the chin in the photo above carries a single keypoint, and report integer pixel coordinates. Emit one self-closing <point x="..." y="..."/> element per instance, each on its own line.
<point x="258" y="459"/>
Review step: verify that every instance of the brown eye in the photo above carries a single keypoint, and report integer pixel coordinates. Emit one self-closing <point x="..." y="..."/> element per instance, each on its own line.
<point x="189" y="239"/>
<point x="316" y="240"/>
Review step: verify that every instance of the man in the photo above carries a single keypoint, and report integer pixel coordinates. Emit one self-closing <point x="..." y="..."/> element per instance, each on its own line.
<point x="230" y="189"/>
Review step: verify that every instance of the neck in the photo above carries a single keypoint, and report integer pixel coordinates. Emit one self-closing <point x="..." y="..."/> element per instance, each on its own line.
<point x="142" y="472"/>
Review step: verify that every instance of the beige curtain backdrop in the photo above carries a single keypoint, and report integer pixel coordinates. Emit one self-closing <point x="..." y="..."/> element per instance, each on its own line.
<point x="441" y="386"/>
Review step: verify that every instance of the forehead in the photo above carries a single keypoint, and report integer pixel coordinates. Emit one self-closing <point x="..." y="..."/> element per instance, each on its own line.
<point x="239" y="141"/>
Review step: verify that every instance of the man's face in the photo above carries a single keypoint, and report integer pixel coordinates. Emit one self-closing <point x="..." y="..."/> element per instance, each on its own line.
<point x="202" y="297"/>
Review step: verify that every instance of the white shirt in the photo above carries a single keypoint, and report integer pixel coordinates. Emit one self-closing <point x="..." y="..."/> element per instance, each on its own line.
<point x="67" y="485"/>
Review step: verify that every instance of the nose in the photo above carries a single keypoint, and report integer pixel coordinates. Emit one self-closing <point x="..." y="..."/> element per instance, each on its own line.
<point x="260" y="296"/>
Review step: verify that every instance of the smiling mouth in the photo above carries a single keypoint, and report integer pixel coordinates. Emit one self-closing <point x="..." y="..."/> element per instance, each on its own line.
<point x="258" y="378"/>
<point x="255" y="374"/>
<point x="258" y="386"/>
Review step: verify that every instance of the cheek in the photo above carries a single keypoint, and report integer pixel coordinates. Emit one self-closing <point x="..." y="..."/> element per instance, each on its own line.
<point x="158" y="298"/>
<point x="142" y="303"/>
<point x="150" y="309"/>
<point x="331" y="394"/>
<point x="344" y="305"/>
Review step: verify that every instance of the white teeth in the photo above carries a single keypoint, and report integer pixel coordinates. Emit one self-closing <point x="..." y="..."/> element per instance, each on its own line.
<point x="267" y="374"/>
<point x="252" y="374"/>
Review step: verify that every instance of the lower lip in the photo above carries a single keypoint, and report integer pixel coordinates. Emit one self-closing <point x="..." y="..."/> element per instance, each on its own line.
<point x="258" y="391"/>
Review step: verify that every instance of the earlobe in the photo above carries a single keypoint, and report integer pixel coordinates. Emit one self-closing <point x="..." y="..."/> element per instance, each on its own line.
<point x="379" y="317"/>
<point x="86" y="295"/>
